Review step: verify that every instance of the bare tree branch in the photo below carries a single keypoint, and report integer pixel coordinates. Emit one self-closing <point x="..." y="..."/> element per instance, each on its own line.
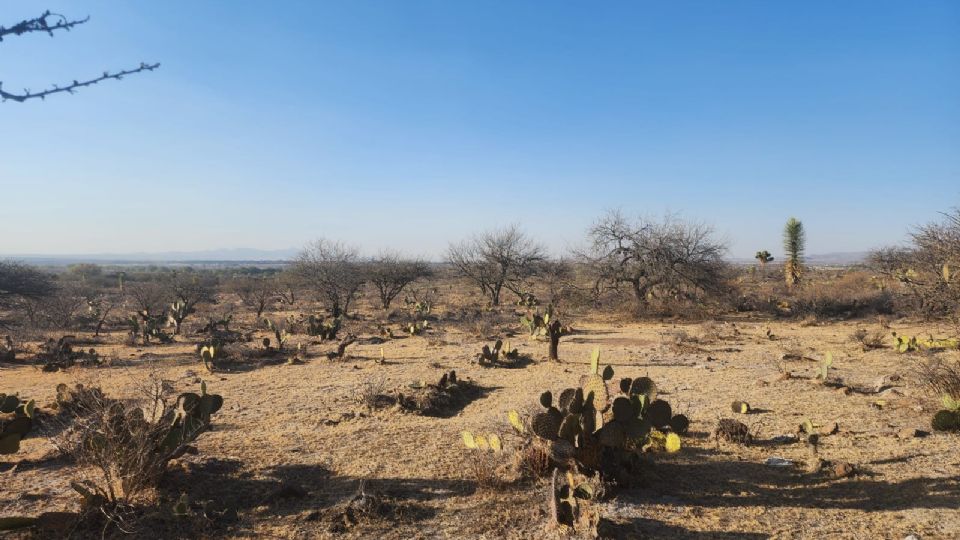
<point x="41" y="24"/>
<point x="75" y="84"/>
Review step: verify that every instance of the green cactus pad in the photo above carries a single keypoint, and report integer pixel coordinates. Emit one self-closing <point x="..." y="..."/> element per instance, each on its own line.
<point x="565" y="398"/>
<point x="546" y="399"/>
<point x="612" y="435"/>
<point x="945" y="420"/>
<point x="595" y="385"/>
<point x="679" y="424"/>
<point x="622" y="409"/>
<point x="659" y="413"/>
<point x="645" y="386"/>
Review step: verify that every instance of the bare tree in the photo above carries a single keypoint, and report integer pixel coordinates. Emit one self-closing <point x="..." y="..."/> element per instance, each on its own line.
<point x="49" y="23"/>
<point x="255" y="292"/>
<point x="391" y="274"/>
<point x="670" y="256"/>
<point x="930" y="268"/>
<point x="333" y="270"/>
<point x="148" y="297"/>
<point x="19" y="281"/>
<point x="497" y="259"/>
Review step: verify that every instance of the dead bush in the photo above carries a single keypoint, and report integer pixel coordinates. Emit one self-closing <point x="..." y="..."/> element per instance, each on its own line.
<point x="123" y="446"/>
<point x="942" y="377"/>
<point x="868" y="339"/>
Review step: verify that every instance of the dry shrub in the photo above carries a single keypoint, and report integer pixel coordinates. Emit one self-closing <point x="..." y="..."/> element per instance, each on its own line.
<point x="483" y="467"/>
<point x="852" y="294"/>
<point x="942" y="377"/>
<point x="123" y="446"/>
<point x="532" y="461"/>
<point x="868" y="339"/>
<point x="373" y="394"/>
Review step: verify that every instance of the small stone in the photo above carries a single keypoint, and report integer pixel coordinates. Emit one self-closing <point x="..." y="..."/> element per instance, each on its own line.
<point x="842" y="470"/>
<point x="911" y="433"/>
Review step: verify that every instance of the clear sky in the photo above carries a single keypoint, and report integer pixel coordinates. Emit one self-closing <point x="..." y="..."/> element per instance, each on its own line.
<point x="410" y="124"/>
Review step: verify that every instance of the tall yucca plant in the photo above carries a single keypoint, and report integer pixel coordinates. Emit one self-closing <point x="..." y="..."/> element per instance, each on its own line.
<point x="794" y="242"/>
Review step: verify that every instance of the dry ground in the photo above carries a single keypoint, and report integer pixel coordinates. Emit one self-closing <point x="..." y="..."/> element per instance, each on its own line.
<point x="290" y="425"/>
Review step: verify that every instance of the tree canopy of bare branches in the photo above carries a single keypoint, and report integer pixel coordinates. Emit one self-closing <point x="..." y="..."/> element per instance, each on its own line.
<point x="333" y="270"/>
<point x="256" y="292"/>
<point x="497" y="259"/>
<point x="390" y="274"/>
<point x="49" y="23"/>
<point x="20" y="281"/>
<point x="670" y="256"/>
<point x="929" y="269"/>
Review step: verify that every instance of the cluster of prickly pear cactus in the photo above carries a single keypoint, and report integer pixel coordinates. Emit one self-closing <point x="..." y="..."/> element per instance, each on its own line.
<point x="911" y="344"/>
<point x="546" y="325"/>
<point x="280" y="333"/>
<point x="16" y="419"/>
<point x="489" y="442"/>
<point x="498" y="355"/>
<point x="210" y="354"/>
<point x="528" y="300"/>
<point x="598" y="427"/>
<point x="60" y="354"/>
<point x="419" y="308"/>
<point x="318" y="326"/>
<point x="177" y="313"/>
<point x="417" y="328"/>
<point x="190" y="420"/>
<point x="147" y="327"/>
<point x="570" y="499"/>
<point x="948" y="418"/>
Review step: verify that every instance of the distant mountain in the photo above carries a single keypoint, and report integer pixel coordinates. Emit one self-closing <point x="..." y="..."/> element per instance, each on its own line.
<point x="212" y="255"/>
<point x="840" y="258"/>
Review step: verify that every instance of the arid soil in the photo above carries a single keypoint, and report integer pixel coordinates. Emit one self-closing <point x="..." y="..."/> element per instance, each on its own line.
<point x="293" y="441"/>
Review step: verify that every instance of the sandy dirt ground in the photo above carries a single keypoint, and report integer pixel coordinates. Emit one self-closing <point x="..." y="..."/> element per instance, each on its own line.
<point x="303" y="425"/>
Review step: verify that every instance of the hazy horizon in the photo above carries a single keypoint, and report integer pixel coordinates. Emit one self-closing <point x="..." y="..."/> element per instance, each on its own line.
<point x="412" y="125"/>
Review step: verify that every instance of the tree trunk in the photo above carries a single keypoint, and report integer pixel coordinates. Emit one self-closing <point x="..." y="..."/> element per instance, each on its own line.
<point x="554" y="345"/>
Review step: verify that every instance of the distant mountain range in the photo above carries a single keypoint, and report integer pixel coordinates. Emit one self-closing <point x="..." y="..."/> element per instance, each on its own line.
<point x="840" y="258"/>
<point x="212" y="255"/>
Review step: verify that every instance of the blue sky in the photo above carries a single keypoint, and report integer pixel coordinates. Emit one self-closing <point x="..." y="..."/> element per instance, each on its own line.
<point x="409" y="124"/>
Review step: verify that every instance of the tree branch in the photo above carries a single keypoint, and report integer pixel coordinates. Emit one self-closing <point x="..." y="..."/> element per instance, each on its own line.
<point x="76" y="84"/>
<point x="40" y="24"/>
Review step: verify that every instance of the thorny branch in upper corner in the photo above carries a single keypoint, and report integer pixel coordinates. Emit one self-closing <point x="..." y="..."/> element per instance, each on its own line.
<point x="49" y="22"/>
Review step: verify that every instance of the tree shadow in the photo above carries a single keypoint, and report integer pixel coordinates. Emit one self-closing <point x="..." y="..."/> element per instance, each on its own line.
<point x="651" y="528"/>
<point x="722" y="484"/>
<point x="305" y="490"/>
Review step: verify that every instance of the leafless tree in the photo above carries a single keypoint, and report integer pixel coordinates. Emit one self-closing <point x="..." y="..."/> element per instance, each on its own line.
<point x="391" y="274"/>
<point x="288" y="283"/>
<point x="929" y="269"/>
<point x="671" y="256"/>
<point x="149" y="298"/>
<point x="19" y="281"/>
<point x="497" y="259"/>
<point x="49" y="23"/>
<point x="256" y="292"/>
<point x="333" y="270"/>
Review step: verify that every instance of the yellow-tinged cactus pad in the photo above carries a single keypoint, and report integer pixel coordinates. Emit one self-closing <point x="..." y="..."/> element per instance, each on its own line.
<point x="595" y="361"/>
<point x="495" y="443"/>
<point x="515" y="421"/>
<point x="481" y="442"/>
<point x="468" y="440"/>
<point x="672" y="443"/>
